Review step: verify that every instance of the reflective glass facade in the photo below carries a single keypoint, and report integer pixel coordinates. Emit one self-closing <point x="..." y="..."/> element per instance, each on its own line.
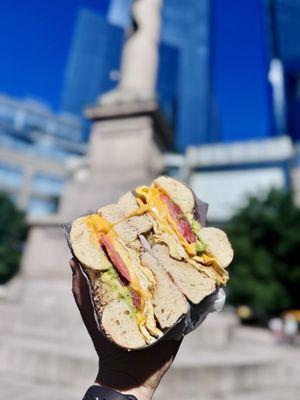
<point x="95" y="54"/>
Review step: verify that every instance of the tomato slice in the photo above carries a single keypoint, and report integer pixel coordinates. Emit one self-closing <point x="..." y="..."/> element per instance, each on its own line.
<point x="115" y="257"/>
<point x="136" y="299"/>
<point x="182" y="223"/>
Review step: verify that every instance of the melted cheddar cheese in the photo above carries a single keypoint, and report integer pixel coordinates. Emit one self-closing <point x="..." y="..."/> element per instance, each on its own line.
<point x="210" y="260"/>
<point x="150" y="201"/>
<point x="159" y="210"/>
<point x="97" y="224"/>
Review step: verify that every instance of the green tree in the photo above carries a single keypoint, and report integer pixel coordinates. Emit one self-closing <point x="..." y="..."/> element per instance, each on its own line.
<point x="12" y="236"/>
<point x="265" y="235"/>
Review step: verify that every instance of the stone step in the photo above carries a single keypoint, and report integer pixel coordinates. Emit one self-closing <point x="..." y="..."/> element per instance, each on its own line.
<point x="45" y="333"/>
<point x="269" y="394"/>
<point x="17" y="388"/>
<point x="53" y="362"/>
<point x="234" y="370"/>
<point x="11" y="388"/>
<point x="242" y="367"/>
<point x="216" y="331"/>
<point x="253" y="335"/>
<point x="265" y="394"/>
<point x="46" y="310"/>
<point x="220" y="371"/>
<point x="58" y="362"/>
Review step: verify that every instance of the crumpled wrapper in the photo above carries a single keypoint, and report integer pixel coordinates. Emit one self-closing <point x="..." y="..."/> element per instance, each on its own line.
<point x="197" y="312"/>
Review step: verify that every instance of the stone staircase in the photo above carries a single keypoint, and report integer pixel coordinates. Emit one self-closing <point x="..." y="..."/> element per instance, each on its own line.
<point x="42" y="337"/>
<point x="248" y="364"/>
<point x="15" y="387"/>
<point x="46" y="353"/>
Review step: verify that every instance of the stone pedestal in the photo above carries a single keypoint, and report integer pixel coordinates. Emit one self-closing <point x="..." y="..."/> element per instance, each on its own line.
<point x="122" y="154"/>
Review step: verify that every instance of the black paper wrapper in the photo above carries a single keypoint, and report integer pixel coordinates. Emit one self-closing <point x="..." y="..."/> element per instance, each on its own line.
<point x="197" y="312"/>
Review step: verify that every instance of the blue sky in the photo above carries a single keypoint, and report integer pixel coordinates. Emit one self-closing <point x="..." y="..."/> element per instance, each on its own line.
<point x="35" y="37"/>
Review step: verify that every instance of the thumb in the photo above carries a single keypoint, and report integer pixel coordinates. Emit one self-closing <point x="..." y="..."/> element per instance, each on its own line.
<point x="76" y="281"/>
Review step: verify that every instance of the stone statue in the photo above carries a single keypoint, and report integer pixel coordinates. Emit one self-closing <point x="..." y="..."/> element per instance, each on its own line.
<point x="139" y="57"/>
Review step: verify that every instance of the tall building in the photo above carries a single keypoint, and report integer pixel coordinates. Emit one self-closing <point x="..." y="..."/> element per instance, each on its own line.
<point x="93" y="62"/>
<point x="217" y="79"/>
<point x="186" y="26"/>
<point x="167" y="82"/>
<point x="240" y="65"/>
<point x="286" y="15"/>
<point x="35" y="143"/>
<point x="28" y="117"/>
<point x="119" y="12"/>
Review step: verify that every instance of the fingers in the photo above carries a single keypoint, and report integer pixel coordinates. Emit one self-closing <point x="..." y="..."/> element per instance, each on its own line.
<point x="73" y="264"/>
<point x="76" y="281"/>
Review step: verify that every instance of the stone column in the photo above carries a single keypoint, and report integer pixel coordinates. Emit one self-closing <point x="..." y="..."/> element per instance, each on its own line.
<point x="140" y="56"/>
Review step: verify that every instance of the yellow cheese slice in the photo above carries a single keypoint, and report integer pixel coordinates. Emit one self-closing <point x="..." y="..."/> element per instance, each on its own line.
<point x="161" y="213"/>
<point x="159" y="210"/>
<point x="97" y="224"/>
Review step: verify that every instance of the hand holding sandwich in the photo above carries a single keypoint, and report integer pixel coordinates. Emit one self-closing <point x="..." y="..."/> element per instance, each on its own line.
<point x="146" y="271"/>
<point x="137" y="373"/>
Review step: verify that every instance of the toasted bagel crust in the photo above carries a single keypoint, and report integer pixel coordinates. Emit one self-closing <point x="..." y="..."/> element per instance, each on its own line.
<point x="121" y="326"/>
<point x="177" y="191"/>
<point x="86" y="247"/>
<point x="218" y="245"/>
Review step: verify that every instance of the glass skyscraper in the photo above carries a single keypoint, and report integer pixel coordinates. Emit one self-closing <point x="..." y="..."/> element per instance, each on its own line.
<point x="287" y="32"/>
<point x="186" y="26"/>
<point x="94" y="57"/>
<point x="240" y="65"/>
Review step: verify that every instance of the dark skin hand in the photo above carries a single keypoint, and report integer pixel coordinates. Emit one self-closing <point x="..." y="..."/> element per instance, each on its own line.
<point x="134" y="372"/>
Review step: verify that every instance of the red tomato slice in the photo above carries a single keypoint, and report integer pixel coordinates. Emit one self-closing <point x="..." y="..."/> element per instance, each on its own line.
<point x="182" y="223"/>
<point x="136" y="299"/>
<point x="187" y="231"/>
<point x="115" y="257"/>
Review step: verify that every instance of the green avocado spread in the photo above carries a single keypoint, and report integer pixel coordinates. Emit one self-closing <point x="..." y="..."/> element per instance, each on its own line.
<point x="196" y="227"/>
<point x="111" y="278"/>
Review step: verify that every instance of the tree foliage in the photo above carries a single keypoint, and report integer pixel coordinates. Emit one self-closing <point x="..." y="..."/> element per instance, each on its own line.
<point x="12" y="235"/>
<point x="265" y="235"/>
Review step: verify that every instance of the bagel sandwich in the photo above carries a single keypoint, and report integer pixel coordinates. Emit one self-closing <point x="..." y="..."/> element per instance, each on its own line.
<point x="148" y="260"/>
